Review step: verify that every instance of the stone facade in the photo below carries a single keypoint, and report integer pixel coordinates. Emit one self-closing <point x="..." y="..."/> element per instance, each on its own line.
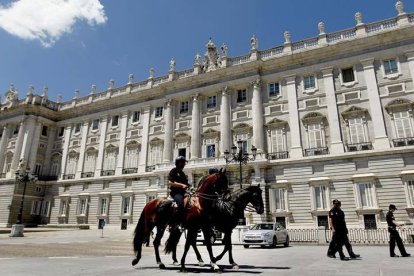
<point x="331" y="117"/>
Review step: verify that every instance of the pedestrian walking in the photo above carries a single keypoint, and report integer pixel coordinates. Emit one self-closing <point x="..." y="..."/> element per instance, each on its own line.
<point x="394" y="235"/>
<point x="337" y="225"/>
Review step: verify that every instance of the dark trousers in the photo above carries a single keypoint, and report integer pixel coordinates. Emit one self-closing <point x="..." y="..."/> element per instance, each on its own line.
<point x="345" y="240"/>
<point x="337" y="242"/>
<point x="179" y="211"/>
<point x="395" y="238"/>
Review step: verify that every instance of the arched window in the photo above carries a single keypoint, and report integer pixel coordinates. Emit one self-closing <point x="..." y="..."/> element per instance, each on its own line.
<point x="131" y="155"/>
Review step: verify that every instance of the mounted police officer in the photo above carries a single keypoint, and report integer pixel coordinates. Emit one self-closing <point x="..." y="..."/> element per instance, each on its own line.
<point x="178" y="184"/>
<point x="339" y="230"/>
<point x="394" y="235"/>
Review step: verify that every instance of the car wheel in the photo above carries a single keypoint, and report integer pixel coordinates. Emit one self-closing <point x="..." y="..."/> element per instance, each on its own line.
<point x="286" y="244"/>
<point x="274" y="242"/>
<point x="246" y="246"/>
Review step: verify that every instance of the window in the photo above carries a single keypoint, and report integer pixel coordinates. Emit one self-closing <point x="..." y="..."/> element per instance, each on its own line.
<point x="95" y="124"/>
<point x="115" y="120"/>
<point x="366" y="195"/>
<point x="182" y="152"/>
<point x="211" y="151"/>
<point x="402" y="122"/>
<point x="16" y="130"/>
<point x="320" y="197"/>
<point x="150" y="198"/>
<point x="135" y="116"/>
<point x="315" y="136"/>
<point x="323" y="221"/>
<point x="63" y="207"/>
<point x="211" y="101"/>
<point x="126" y="203"/>
<point x="72" y="163"/>
<point x="131" y="156"/>
<point x="184" y="107"/>
<point x="309" y="82"/>
<point x="241" y="95"/>
<point x="44" y="130"/>
<point x="245" y="141"/>
<point x="277" y="137"/>
<point x="61" y="131"/>
<point x="45" y="208"/>
<point x="77" y="128"/>
<point x="38" y="189"/>
<point x="410" y="192"/>
<point x="348" y="75"/>
<point x="158" y="111"/>
<point x="37" y="169"/>
<point x="370" y="222"/>
<point x="281" y="221"/>
<point x="55" y="167"/>
<point x="390" y="66"/>
<point x="279" y="200"/>
<point x="356" y="131"/>
<point x="110" y="159"/>
<point x="274" y="89"/>
<point x="103" y="209"/>
<point x="36" y="207"/>
<point x="156" y="154"/>
<point x="83" y="204"/>
<point x="90" y="161"/>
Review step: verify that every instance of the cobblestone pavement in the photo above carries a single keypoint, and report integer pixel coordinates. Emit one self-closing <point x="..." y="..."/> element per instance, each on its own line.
<point x="86" y="253"/>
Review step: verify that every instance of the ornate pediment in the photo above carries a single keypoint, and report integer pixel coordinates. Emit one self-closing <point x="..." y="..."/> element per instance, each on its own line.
<point x="132" y="143"/>
<point x="354" y="111"/>
<point x="92" y="149"/>
<point x="275" y="123"/>
<point x="242" y="127"/>
<point x="182" y="136"/>
<point x="156" y="140"/>
<point x="313" y="117"/>
<point x="399" y="103"/>
<point x="211" y="133"/>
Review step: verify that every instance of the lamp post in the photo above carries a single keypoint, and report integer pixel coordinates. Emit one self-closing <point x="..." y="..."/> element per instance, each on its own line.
<point x="23" y="176"/>
<point x="239" y="156"/>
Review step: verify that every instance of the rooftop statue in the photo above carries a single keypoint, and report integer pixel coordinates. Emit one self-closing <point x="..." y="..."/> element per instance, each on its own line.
<point x="211" y="57"/>
<point x="254" y="43"/>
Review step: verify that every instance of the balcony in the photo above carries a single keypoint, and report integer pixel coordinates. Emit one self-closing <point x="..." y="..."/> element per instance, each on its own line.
<point x="277" y="155"/>
<point x="359" y="146"/>
<point x="107" y="172"/>
<point x="87" y="174"/>
<point x="129" y="170"/>
<point x="316" y="151"/>
<point x="403" y="142"/>
<point x="150" y="168"/>
<point x="68" y="176"/>
<point x="2" y="175"/>
<point x="47" y="177"/>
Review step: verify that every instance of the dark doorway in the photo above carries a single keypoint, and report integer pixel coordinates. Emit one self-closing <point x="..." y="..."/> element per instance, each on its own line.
<point x="124" y="224"/>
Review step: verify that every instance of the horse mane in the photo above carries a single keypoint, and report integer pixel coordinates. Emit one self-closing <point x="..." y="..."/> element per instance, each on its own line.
<point x="207" y="183"/>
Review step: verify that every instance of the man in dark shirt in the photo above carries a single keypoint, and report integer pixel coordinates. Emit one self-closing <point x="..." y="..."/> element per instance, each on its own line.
<point x="394" y="235"/>
<point x="178" y="183"/>
<point x="339" y="232"/>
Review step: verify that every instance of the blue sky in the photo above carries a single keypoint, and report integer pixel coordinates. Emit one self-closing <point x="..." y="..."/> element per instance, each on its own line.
<point x="137" y="35"/>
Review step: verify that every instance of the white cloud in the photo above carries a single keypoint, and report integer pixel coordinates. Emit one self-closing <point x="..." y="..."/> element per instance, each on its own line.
<point x="48" y="20"/>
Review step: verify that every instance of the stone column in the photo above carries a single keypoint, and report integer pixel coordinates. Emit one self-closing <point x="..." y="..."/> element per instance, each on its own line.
<point x="380" y="134"/>
<point x="257" y="117"/>
<point x="145" y="119"/>
<point x="195" y="129"/>
<point x="3" y="144"/>
<point x="101" y="150"/>
<point x="48" y="154"/>
<point x="18" y="147"/>
<point x="67" y="134"/>
<point x="225" y="131"/>
<point x="81" y="161"/>
<point x="28" y="135"/>
<point x="122" y="142"/>
<point x="337" y="145"/>
<point x="168" y="130"/>
<point x="34" y="145"/>
<point x="410" y="59"/>
<point x="294" y="124"/>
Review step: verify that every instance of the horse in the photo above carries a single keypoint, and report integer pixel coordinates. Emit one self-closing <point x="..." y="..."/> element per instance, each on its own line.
<point x="224" y="215"/>
<point x="159" y="212"/>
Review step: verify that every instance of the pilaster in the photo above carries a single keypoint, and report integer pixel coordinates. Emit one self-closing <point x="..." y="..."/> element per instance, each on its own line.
<point x="145" y="115"/>
<point x="195" y="128"/>
<point x="294" y="124"/>
<point x="66" y="141"/>
<point x="337" y="145"/>
<point x="380" y="134"/>
<point x="34" y="145"/>
<point x="168" y="143"/>
<point x="410" y="59"/>
<point x="81" y="161"/>
<point x="101" y="150"/>
<point x="3" y="143"/>
<point x="18" y="147"/>
<point x="122" y="142"/>
<point x="225" y="131"/>
<point x="257" y="117"/>
<point x="48" y="154"/>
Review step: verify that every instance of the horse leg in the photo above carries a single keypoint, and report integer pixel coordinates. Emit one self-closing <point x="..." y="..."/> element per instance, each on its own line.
<point x="199" y="258"/>
<point x="207" y="238"/>
<point x="191" y="236"/>
<point x="156" y="243"/>
<point x="226" y="247"/>
<point x="234" y="265"/>
<point x="174" y="257"/>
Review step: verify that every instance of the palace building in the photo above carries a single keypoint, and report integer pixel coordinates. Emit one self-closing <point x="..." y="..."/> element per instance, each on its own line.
<point x="330" y="116"/>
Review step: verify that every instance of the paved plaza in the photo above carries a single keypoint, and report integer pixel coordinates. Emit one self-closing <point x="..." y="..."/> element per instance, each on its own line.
<point x="84" y="252"/>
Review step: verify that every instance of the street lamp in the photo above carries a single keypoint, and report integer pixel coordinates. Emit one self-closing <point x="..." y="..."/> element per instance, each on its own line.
<point x="23" y="176"/>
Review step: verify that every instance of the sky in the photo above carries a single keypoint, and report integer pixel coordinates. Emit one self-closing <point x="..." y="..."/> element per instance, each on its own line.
<point x="71" y="44"/>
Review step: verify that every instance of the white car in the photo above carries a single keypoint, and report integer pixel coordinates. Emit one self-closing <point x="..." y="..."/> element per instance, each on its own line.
<point x="266" y="234"/>
<point x="217" y="235"/>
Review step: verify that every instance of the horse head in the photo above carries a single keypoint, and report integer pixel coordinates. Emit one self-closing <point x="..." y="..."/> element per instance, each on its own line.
<point x="215" y="183"/>
<point x="255" y="198"/>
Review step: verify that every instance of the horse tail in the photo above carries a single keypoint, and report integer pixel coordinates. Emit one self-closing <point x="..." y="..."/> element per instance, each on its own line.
<point x="142" y="231"/>
<point x="172" y="240"/>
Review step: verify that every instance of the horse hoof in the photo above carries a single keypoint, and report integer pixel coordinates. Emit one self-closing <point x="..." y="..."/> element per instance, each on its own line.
<point x="200" y="263"/>
<point x="176" y="264"/>
<point x="161" y="266"/>
<point x="183" y="270"/>
<point x="235" y="267"/>
<point x="215" y="267"/>
<point x="134" y="262"/>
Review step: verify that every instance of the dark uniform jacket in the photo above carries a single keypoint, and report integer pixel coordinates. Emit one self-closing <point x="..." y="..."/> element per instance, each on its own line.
<point x="390" y="220"/>
<point x="177" y="175"/>
<point x="338" y="220"/>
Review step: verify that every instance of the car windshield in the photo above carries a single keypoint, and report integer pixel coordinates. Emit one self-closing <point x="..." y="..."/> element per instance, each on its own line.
<point x="262" y="227"/>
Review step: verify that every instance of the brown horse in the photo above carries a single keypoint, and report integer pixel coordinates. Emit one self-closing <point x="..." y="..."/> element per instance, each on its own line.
<point x="159" y="212"/>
